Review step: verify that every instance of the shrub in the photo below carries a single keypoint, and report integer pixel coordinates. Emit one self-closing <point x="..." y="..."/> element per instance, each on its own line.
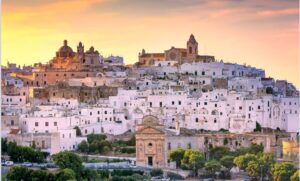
<point x="174" y="176"/>
<point x="156" y="172"/>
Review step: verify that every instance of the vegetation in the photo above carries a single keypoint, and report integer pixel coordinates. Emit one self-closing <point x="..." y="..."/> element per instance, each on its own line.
<point x="24" y="153"/>
<point x="218" y="152"/>
<point x="78" y="131"/>
<point x="67" y="159"/>
<point x="282" y="171"/>
<point x="212" y="166"/>
<point x="97" y="143"/>
<point x="156" y="172"/>
<point x="177" y="156"/>
<point x="257" y="128"/>
<point x="227" y="161"/>
<point x="296" y="176"/>
<point x="192" y="160"/>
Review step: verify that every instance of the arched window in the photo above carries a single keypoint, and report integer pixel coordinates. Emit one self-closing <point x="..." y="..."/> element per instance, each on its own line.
<point x="150" y="144"/>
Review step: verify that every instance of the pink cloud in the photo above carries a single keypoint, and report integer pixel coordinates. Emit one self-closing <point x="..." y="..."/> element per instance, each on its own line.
<point x="280" y="12"/>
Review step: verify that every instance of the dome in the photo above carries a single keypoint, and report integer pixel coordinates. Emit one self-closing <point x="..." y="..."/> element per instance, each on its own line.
<point x="65" y="50"/>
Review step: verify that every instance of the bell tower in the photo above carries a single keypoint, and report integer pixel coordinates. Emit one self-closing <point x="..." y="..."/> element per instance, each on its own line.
<point x="80" y="49"/>
<point x="192" y="48"/>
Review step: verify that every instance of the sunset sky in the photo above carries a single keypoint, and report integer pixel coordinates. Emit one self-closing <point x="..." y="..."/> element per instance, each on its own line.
<point x="262" y="33"/>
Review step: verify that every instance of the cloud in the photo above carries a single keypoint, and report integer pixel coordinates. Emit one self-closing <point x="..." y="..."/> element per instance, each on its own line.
<point x="278" y="12"/>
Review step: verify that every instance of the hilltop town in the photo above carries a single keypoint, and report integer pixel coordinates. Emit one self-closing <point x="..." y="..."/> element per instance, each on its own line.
<point x="178" y="98"/>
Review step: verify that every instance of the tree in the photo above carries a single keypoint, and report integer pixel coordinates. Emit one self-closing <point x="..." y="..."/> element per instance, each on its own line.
<point x="218" y="151"/>
<point x="177" y="156"/>
<point x="257" y="128"/>
<point x="78" y="131"/>
<point x="257" y="168"/>
<point x="193" y="160"/>
<point x="212" y="166"/>
<point x="255" y="148"/>
<point x="90" y="174"/>
<point x="65" y="174"/>
<point x="227" y="161"/>
<point x="18" y="173"/>
<point x="95" y="137"/>
<point x="4" y="145"/>
<point x="296" y="176"/>
<point x="243" y="160"/>
<point x="67" y="159"/>
<point x="269" y="90"/>
<point x="83" y="147"/>
<point x="282" y="171"/>
<point x="39" y="175"/>
<point x="24" y="153"/>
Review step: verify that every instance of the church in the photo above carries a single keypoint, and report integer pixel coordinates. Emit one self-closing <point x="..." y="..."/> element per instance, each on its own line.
<point x="180" y="55"/>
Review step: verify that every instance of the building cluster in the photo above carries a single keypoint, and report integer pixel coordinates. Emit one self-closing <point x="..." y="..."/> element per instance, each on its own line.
<point x="187" y="99"/>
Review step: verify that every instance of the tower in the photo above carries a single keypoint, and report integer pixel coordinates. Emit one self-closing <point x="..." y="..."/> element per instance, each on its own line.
<point x="80" y="48"/>
<point x="192" y="48"/>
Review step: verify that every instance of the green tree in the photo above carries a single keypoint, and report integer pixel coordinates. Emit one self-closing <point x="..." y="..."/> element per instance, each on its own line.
<point x="296" y="176"/>
<point x="67" y="159"/>
<point x="83" y="147"/>
<point x="212" y="166"/>
<point x="177" y="156"/>
<point x="78" y="131"/>
<point x="227" y="161"/>
<point x="4" y="145"/>
<point x="218" y="151"/>
<point x="243" y="160"/>
<point x="257" y="168"/>
<point x="65" y="174"/>
<point x="257" y="128"/>
<point x="269" y="90"/>
<point x="18" y="173"/>
<point x="39" y="175"/>
<point x="193" y="160"/>
<point x="90" y="174"/>
<point x="255" y="148"/>
<point x="95" y="137"/>
<point x="282" y="171"/>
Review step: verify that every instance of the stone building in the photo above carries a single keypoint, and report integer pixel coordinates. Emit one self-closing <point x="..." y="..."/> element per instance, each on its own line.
<point x="180" y="55"/>
<point x="154" y="141"/>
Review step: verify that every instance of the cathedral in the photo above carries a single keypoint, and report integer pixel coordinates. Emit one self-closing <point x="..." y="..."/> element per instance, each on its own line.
<point x="67" y="59"/>
<point x="180" y="55"/>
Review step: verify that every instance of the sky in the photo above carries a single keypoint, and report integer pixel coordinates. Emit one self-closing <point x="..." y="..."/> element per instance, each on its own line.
<point x="262" y="34"/>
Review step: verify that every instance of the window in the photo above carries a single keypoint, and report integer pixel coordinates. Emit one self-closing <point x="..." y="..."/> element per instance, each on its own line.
<point x="105" y="112"/>
<point x="197" y="120"/>
<point x="12" y="122"/>
<point x="216" y="105"/>
<point x="36" y="124"/>
<point x="150" y="104"/>
<point x="160" y="104"/>
<point x="249" y="108"/>
<point x="55" y="123"/>
<point x="249" y="116"/>
<point x="205" y="103"/>
<point x="20" y="100"/>
<point x="203" y="73"/>
<point x="215" y="120"/>
<point x="46" y="124"/>
<point x="240" y="108"/>
<point x="173" y="102"/>
<point x="179" y="102"/>
<point x="150" y="144"/>
<point x="190" y="50"/>
<point x="258" y="107"/>
<point x="91" y="113"/>
<point x="169" y="146"/>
